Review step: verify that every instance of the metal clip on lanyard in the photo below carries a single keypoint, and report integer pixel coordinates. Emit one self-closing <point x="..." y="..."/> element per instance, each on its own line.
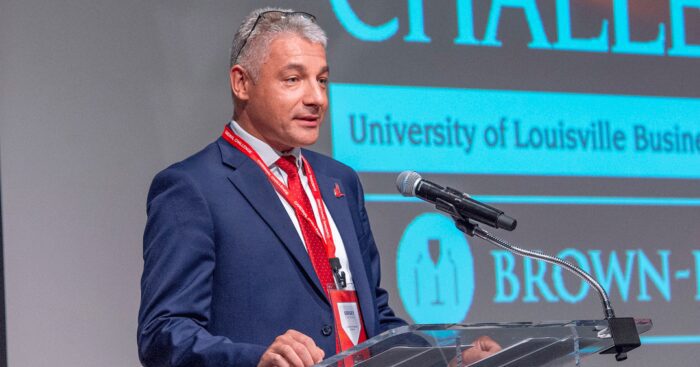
<point x="338" y="274"/>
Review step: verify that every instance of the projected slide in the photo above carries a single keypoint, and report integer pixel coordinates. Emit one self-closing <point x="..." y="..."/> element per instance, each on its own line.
<point x="580" y="118"/>
<point x="531" y="133"/>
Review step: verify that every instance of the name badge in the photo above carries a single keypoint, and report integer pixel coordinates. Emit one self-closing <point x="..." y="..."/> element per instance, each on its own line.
<point x="350" y="329"/>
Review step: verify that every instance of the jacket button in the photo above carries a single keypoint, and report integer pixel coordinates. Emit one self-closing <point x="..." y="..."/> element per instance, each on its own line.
<point x="327" y="330"/>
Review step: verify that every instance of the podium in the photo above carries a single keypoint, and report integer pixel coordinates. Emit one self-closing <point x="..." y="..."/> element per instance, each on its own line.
<point x="524" y="344"/>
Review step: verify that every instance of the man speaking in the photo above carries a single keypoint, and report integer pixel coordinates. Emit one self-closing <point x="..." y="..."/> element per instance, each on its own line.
<point x="256" y="251"/>
<point x="252" y="241"/>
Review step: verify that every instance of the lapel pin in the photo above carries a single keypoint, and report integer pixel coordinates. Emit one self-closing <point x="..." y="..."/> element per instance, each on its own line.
<point x="337" y="192"/>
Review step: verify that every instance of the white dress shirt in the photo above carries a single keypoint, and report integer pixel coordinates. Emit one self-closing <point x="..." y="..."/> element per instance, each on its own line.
<point x="270" y="156"/>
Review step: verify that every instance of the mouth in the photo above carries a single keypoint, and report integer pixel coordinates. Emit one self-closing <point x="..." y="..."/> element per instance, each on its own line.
<point x="309" y="120"/>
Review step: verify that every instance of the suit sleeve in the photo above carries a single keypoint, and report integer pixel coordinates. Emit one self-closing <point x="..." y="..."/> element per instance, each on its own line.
<point x="176" y="286"/>
<point x="387" y="319"/>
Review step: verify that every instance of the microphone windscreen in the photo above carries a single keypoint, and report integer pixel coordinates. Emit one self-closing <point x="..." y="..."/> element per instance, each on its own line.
<point x="406" y="183"/>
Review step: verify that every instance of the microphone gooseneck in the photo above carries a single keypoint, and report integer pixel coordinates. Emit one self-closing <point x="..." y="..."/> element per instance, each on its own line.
<point x="466" y="211"/>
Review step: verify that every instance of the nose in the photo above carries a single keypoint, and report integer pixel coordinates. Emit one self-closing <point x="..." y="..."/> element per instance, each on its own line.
<point x="315" y="95"/>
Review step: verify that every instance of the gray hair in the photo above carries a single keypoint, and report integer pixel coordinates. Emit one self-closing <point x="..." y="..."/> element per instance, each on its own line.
<point x="255" y="47"/>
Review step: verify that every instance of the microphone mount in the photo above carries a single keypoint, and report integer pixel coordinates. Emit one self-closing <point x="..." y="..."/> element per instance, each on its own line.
<point x="623" y="330"/>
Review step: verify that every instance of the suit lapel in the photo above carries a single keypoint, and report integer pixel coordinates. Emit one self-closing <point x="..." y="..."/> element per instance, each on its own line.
<point x="252" y="183"/>
<point x="340" y="212"/>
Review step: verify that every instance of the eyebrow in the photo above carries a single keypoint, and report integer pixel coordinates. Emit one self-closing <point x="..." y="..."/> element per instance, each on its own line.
<point x="302" y="68"/>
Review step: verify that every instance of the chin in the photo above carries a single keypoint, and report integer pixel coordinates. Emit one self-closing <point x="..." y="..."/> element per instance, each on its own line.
<point x="306" y="142"/>
<point x="307" y="139"/>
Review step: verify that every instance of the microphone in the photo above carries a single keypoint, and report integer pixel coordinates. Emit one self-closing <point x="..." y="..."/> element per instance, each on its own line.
<point x="453" y="202"/>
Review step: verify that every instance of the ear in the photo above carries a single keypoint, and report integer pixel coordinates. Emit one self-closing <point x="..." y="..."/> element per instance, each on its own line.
<point x="240" y="82"/>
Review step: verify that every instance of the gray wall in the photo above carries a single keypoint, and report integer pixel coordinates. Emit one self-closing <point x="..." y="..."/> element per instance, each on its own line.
<point x="97" y="96"/>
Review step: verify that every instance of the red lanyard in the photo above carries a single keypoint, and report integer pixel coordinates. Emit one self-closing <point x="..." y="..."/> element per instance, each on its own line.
<point x="282" y="189"/>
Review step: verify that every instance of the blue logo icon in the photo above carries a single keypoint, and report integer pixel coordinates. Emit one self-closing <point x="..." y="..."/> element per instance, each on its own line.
<point x="435" y="270"/>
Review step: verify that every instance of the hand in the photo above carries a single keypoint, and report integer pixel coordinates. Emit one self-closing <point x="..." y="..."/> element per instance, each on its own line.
<point x="483" y="347"/>
<point x="291" y="349"/>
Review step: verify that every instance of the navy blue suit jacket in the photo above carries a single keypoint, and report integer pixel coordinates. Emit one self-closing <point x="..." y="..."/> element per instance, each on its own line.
<point x="225" y="271"/>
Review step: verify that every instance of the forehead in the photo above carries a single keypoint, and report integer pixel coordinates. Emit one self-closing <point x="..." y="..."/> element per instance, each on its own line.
<point x="287" y="49"/>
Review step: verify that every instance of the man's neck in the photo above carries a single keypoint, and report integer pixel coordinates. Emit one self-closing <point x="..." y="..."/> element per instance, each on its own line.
<point x="267" y="152"/>
<point x="245" y="123"/>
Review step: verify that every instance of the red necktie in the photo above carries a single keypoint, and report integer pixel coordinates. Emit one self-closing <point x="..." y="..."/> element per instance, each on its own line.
<point x="314" y="243"/>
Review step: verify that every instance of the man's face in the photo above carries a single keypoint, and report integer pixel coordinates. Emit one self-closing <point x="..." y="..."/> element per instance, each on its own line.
<point x="287" y="103"/>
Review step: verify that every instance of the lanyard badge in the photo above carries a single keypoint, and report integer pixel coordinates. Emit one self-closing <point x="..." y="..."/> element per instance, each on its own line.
<point x="348" y="318"/>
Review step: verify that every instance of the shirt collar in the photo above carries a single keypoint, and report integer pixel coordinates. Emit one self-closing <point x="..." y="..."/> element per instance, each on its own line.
<point x="268" y="154"/>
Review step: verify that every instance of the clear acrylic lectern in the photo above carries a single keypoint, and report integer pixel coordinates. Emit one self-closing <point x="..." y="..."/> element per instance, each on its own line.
<point x="524" y="344"/>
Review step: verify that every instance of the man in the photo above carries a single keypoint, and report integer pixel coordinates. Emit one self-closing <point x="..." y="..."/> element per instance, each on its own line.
<point x="249" y="242"/>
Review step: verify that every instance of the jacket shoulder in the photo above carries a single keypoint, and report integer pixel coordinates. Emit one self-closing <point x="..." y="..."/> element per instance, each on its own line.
<point x="194" y="169"/>
<point x="207" y="158"/>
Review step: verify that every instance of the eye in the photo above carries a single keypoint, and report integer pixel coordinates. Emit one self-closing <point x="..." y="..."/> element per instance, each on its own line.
<point x="292" y="80"/>
<point x="323" y="81"/>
